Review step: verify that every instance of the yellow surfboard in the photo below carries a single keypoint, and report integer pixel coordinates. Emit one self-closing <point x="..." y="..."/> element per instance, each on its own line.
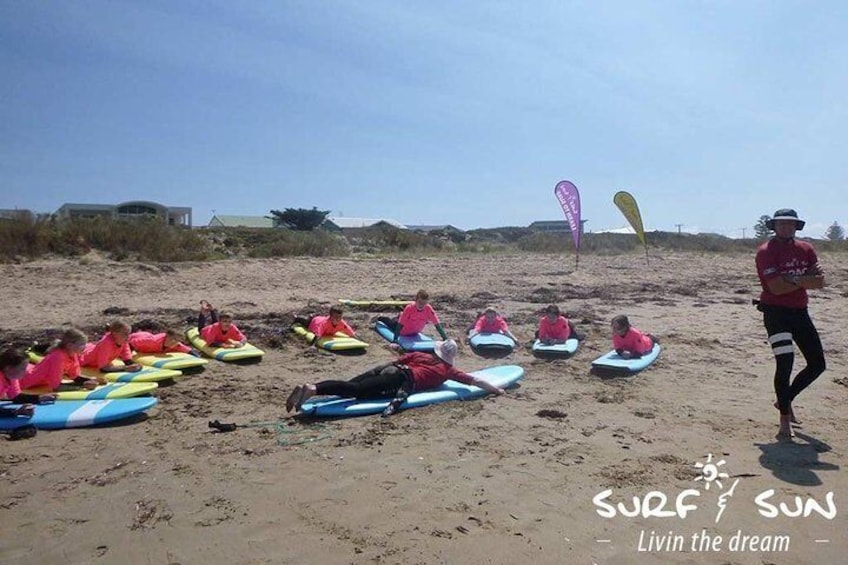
<point x="102" y="392"/>
<point x="338" y="342"/>
<point x="171" y="360"/>
<point x="246" y="351"/>
<point x="145" y="375"/>
<point x="375" y="304"/>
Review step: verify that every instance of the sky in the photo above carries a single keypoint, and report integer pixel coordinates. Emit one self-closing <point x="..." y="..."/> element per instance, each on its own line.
<point x="710" y="113"/>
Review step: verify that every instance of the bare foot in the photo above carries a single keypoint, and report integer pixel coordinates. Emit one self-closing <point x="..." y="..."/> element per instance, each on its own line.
<point x="785" y="435"/>
<point x="291" y="401"/>
<point x="307" y="391"/>
<point x="785" y="432"/>
<point x="792" y="417"/>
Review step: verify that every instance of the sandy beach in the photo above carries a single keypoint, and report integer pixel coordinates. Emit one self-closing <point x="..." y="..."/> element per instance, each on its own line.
<point x="500" y="480"/>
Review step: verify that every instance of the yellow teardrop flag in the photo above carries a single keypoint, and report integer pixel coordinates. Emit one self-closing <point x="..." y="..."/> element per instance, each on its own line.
<point x="627" y="204"/>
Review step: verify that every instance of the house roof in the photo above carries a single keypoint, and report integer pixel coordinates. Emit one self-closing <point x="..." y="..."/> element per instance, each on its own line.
<point x="426" y="228"/>
<point x="346" y="223"/>
<point x="220" y="220"/>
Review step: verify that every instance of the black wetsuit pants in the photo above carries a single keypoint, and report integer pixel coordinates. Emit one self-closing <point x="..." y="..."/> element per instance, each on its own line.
<point x="380" y="382"/>
<point x="785" y="325"/>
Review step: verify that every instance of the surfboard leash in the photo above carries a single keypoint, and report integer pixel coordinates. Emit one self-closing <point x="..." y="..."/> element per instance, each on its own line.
<point x="283" y="430"/>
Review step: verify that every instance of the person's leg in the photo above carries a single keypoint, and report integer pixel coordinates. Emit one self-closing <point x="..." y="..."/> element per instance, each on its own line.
<point x="370" y="373"/>
<point x="809" y="343"/>
<point x="302" y="321"/>
<point x="201" y="321"/>
<point x="391" y="323"/>
<point x="380" y="382"/>
<point x="780" y="338"/>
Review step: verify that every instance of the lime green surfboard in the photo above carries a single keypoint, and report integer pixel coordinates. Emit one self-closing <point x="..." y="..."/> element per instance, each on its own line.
<point x="338" y="342"/>
<point x="102" y="392"/>
<point x="246" y="351"/>
<point x="145" y="375"/>
<point x="375" y="304"/>
<point x="172" y="360"/>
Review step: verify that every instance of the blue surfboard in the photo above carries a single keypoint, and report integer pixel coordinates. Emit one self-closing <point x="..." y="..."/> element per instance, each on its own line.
<point x="77" y="413"/>
<point x="494" y="342"/>
<point x="417" y="342"/>
<point x="502" y="376"/>
<point x="614" y="362"/>
<point x="556" y="351"/>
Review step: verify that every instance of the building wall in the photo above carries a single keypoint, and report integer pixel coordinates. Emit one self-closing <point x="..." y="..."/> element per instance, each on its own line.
<point x="175" y="216"/>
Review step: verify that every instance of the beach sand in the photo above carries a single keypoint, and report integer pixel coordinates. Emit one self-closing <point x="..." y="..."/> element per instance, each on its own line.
<point x="485" y="481"/>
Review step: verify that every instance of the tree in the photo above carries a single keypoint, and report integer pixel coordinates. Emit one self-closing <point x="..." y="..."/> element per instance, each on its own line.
<point x="299" y="219"/>
<point x="835" y="232"/>
<point x="760" y="229"/>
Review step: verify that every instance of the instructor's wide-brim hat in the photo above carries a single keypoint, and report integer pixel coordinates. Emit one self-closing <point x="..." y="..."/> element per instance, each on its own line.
<point x="446" y="351"/>
<point x="786" y="214"/>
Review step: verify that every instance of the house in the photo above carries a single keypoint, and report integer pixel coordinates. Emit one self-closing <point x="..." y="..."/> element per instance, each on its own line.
<point x="335" y="224"/>
<point x="345" y="223"/>
<point x="554" y="226"/>
<point x="172" y="215"/>
<point x="222" y="221"/>
<point x="428" y="229"/>
<point x="15" y="214"/>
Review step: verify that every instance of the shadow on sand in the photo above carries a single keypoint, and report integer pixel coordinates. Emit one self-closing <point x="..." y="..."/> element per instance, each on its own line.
<point x="796" y="461"/>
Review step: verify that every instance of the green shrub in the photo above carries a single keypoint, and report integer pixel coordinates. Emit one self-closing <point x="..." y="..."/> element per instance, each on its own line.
<point x="143" y="239"/>
<point x="287" y="243"/>
<point x="387" y="238"/>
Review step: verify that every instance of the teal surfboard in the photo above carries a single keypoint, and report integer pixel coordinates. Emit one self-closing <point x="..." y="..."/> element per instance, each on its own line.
<point x="77" y="413"/>
<point x="556" y="351"/>
<point x="503" y="376"/>
<point x="417" y="342"/>
<point x="613" y="362"/>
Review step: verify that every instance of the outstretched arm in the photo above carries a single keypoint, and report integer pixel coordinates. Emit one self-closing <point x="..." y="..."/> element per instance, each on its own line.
<point x="487" y="386"/>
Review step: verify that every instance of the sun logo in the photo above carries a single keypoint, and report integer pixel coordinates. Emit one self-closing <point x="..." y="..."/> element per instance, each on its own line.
<point x="710" y="472"/>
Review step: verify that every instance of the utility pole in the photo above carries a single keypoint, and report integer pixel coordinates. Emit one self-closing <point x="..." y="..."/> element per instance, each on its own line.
<point x="678" y="228"/>
<point x="743" y="233"/>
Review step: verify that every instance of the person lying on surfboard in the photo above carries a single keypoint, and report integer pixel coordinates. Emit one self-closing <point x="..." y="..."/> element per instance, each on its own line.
<point x="330" y="325"/>
<point x="220" y="331"/>
<point x="169" y="341"/>
<point x="61" y="360"/>
<point x="13" y="367"/>
<point x="554" y="328"/>
<point x="113" y="345"/>
<point x="491" y="322"/>
<point x="411" y="373"/>
<point x="415" y="318"/>
<point x="629" y="342"/>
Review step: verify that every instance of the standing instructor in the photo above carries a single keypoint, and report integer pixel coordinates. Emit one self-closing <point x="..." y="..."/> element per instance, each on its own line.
<point x="787" y="268"/>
